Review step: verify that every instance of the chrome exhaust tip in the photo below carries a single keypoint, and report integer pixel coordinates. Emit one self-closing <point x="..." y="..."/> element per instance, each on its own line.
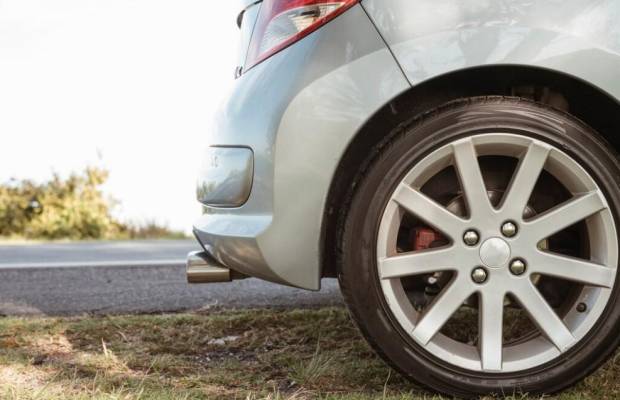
<point x="202" y="268"/>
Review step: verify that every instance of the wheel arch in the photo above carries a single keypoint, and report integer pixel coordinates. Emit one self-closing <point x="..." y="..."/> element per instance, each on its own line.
<point x="571" y="94"/>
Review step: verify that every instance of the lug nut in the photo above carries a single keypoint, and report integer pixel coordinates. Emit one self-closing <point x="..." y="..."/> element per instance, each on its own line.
<point x="517" y="267"/>
<point x="479" y="275"/>
<point x="509" y="229"/>
<point x="471" y="238"/>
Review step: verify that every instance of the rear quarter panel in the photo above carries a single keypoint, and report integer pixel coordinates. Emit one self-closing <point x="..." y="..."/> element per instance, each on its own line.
<point x="297" y="111"/>
<point x="433" y="37"/>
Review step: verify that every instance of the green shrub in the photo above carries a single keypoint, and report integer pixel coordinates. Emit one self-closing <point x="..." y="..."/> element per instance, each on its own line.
<point x="72" y="208"/>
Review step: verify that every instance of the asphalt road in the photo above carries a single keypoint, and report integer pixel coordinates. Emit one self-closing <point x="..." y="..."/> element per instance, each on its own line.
<point x="128" y="277"/>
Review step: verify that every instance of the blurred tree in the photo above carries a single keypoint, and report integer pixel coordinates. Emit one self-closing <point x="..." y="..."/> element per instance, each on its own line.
<point x="71" y="208"/>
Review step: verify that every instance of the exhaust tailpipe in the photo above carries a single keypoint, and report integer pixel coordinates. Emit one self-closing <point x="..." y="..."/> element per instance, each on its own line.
<point x="202" y="268"/>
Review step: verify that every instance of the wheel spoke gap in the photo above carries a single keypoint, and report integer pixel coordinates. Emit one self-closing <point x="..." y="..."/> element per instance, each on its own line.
<point x="544" y="316"/>
<point x="441" y="310"/>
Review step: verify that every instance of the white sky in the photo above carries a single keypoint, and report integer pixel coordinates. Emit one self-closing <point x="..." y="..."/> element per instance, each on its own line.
<point x="132" y="81"/>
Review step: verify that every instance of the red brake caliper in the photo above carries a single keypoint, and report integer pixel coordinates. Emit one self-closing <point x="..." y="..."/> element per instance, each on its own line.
<point x="424" y="238"/>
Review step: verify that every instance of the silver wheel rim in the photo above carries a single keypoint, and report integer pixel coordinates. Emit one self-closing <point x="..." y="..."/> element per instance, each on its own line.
<point x="557" y="334"/>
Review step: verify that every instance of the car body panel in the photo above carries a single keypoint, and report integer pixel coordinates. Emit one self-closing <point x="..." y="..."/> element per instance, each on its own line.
<point x="297" y="111"/>
<point x="246" y="21"/>
<point x="433" y="37"/>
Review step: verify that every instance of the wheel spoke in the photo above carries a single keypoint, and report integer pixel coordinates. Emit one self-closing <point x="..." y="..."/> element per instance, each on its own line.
<point x="565" y="215"/>
<point x="490" y="329"/>
<point x="572" y="269"/>
<point x="428" y="210"/>
<point x="471" y="179"/>
<point x="419" y="262"/>
<point x="441" y="310"/>
<point x="543" y="316"/>
<point x="525" y="178"/>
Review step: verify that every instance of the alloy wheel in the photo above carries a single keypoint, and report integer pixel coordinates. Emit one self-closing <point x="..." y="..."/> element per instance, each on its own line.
<point x="495" y="252"/>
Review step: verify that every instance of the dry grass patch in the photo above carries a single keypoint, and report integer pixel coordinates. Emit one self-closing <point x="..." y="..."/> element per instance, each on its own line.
<point x="254" y="354"/>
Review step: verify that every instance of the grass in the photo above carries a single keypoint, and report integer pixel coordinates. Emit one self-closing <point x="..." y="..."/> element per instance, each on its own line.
<point x="254" y="354"/>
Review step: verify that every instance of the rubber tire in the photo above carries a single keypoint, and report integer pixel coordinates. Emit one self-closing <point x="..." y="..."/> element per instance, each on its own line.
<point x="378" y="177"/>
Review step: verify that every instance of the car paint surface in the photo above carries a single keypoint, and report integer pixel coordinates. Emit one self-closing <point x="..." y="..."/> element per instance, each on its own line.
<point x="433" y="37"/>
<point x="246" y="21"/>
<point x="299" y="110"/>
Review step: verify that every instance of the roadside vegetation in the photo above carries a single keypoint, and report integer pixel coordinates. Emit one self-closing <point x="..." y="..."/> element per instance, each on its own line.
<point x="253" y="354"/>
<point x="72" y="208"/>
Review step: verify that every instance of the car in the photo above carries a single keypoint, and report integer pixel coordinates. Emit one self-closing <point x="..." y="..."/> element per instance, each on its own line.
<point x="454" y="163"/>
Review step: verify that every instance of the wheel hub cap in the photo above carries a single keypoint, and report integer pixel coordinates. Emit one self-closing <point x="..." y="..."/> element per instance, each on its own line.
<point x="494" y="253"/>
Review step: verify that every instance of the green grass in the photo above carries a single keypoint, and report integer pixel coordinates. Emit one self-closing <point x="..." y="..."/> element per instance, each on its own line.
<point x="254" y="354"/>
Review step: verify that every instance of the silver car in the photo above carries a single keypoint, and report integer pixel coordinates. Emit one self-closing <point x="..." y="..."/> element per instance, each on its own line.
<point x="452" y="162"/>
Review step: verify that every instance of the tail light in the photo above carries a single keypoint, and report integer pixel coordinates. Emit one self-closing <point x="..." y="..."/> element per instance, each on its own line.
<point x="284" y="22"/>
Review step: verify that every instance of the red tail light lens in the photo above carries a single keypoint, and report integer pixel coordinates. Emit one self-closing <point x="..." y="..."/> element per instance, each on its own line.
<point x="284" y="22"/>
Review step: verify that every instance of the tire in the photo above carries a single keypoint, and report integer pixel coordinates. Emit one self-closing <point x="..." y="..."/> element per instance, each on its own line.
<point x="399" y="333"/>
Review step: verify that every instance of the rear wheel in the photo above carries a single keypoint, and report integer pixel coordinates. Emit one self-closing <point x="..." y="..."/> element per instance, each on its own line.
<point x="480" y="250"/>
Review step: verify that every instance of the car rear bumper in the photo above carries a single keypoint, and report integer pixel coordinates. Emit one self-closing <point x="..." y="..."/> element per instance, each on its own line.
<point x="297" y="112"/>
